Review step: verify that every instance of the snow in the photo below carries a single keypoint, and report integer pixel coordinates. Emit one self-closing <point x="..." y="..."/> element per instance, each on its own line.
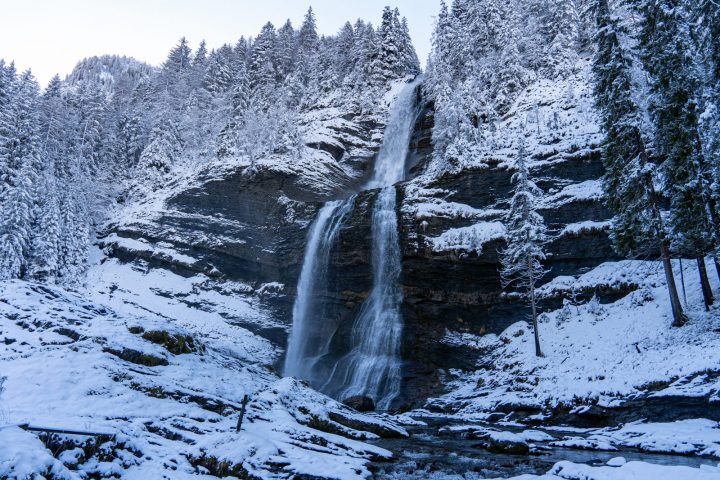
<point x="627" y="471"/>
<point x="22" y="456"/>
<point x="584" y="191"/>
<point x="60" y="359"/>
<point x="598" y="353"/>
<point x="142" y="245"/>
<point x="586" y="226"/>
<point x="696" y="436"/>
<point x="471" y="238"/>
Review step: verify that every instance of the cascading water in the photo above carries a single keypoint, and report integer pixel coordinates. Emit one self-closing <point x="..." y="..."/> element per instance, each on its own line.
<point x="310" y="336"/>
<point x="372" y="367"/>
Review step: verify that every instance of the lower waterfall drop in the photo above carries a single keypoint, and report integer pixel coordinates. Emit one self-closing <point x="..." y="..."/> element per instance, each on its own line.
<point x="372" y="367"/>
<point x="309" y="340"/>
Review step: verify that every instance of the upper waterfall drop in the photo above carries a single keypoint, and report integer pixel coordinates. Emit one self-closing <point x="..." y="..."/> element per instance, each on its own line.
<point x="372" y="367"/>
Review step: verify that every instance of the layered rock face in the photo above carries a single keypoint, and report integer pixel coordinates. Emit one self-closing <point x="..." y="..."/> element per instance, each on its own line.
<point x="251" y="226"/>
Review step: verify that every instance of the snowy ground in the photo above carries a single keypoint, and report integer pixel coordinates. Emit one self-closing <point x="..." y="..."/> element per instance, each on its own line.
<point x="90" y="362"/>
<point x="618" y="469"/>
<point x="599" y="353"/>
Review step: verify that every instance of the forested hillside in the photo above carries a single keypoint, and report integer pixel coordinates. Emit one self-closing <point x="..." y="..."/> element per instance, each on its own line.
<point x="117" y="129"/>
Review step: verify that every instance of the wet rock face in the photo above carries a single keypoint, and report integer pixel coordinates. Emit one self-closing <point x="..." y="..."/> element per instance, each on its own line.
<point x="459" y="292"/>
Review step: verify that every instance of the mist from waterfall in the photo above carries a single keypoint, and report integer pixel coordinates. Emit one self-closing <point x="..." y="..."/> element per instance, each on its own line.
<point x="373" y="366"/>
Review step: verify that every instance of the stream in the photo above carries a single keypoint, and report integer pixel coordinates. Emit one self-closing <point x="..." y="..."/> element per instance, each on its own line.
<point x="432" y="454"/>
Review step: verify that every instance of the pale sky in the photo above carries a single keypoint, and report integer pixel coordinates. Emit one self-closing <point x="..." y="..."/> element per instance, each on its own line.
<point x="51" y="36"/>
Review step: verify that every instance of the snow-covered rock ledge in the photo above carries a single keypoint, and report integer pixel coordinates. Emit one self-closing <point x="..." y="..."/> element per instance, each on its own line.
<point x="605" y="363"/>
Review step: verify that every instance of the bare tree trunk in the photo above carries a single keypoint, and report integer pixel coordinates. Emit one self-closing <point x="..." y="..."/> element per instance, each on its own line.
<point x="705" y="283"/>
<point x="679" y="318"/>
<point x="538" y="351"/>
<point x="682" y="283"/>
<point x="717" y="266"/>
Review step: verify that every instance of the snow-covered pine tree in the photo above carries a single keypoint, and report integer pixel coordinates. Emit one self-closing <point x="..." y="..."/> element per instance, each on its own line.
<point x="262" y="66"/>
<point x="74" y="240"/>
<point x="44" y="249"/>
<point x="526" y="235"/>
<point x="158" y="158"/>
<point x="344" y="51"/>
<point x="638" y="225"/>
<point x="219" y="75"/>
<point x="19" y="166"/>
<point x="199" y="60"/>
<point x="560" y="28"/>
<point x="387" y="58"/>
<point x="286" y="50"/>
<point x="706" y="19"/>
<point x="362" y="55"/>
<point x="240" y="101"/>
<point x="668" y="54"/>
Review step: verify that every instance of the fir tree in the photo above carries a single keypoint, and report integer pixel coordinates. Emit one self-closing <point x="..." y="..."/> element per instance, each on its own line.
<point x="384" y="65"/>
<point x="262" y="67"/>
<point x="669" y="57"/>
<point x="20" y="164"/>
<point x="638" y="225"/>
<point x="526" y="235"/>
<point x="45" y="244"/>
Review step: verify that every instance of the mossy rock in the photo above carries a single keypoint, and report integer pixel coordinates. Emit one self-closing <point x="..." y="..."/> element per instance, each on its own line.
<point x="172" y="342"/>
<point x="139" y="358"/>
<point x="222" y="468"/>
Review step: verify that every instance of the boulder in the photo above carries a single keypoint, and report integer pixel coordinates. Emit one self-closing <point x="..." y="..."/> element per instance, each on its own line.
<point x="360" y="403"/>
<point x="507" y="443"/>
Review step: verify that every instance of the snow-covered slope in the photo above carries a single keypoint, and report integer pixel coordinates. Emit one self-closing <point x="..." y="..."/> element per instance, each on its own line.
<point x="598" y="356"/>
<point x="167" y="382"/>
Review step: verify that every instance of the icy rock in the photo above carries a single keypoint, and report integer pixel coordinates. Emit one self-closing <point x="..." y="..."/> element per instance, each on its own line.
<point x="506" y="442"/>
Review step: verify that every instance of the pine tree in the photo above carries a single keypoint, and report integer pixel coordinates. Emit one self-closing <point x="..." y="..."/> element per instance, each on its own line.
<point x="74" y="242"/>
<point x="262" y="67"/>
<point x="409" y="62"/>
<point x="286" y="50"/>
<point x="344" y="47"/>
<point x="384" y="65"/>
<point x="669" y="57"/>
<point x="160" y="155"/>
<point x="307" y="36"/>
<point x="707" y="23"/>
<point x="46" y="237"/>
<point x="219" y="75"/>
<point x="20" y="163"/>
<point x="560" y="27"/>
<point x="638" y="225"/>
<point x="526" y="234"/>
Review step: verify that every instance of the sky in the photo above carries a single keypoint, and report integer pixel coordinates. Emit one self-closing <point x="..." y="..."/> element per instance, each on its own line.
<point x="51" y="36"/>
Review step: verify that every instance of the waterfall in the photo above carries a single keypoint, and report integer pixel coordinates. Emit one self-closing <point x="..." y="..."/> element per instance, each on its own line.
<point x="372" y="367"/>
<point x="310" y="336"/>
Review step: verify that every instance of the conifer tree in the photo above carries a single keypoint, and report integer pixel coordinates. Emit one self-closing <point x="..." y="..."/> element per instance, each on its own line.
<point x="158" y="158"/>
<point x="669" y="57"/>
<point x="384" y="65"/>
<point x="638" y="225"/>
<point x="526" y="235"/>
<point x="262" y="67"/>
<point x="46" y="237"/>
<point x="19" y="164"/>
